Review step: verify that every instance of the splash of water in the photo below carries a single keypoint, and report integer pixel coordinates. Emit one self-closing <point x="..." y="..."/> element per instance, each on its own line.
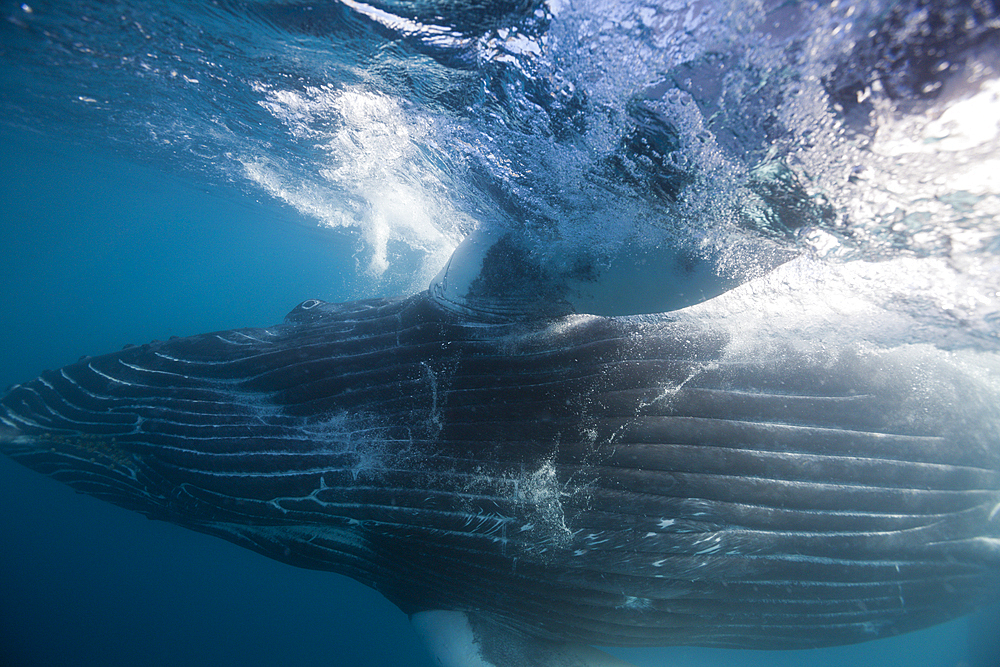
<point x="861" y="130"/>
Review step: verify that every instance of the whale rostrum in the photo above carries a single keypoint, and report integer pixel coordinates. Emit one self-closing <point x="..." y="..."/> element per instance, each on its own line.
<point x="544" y="482"/>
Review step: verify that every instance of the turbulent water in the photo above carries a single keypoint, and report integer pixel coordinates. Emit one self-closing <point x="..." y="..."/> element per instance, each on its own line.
<point x="847" y="130"/>
<point x="743" y="134"/>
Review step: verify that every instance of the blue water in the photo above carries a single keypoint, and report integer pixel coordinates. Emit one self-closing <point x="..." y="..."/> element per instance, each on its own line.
<point x="168" y="169"/>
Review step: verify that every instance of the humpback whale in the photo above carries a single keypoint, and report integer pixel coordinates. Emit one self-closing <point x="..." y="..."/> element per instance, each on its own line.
<point x="526" y="481"/>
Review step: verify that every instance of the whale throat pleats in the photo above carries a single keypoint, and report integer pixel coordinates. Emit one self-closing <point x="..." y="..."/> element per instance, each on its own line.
<point x="615" y="481"/>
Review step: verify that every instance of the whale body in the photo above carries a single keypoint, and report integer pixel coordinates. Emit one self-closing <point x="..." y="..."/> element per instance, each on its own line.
<point x="559" y="480"/>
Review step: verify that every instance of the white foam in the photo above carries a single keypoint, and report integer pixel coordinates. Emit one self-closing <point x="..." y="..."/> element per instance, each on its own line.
<point x="377" y="176"/>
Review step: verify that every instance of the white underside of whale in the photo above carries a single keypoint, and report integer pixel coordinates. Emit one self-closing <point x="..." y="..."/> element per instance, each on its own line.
<point x="454" y="642"/>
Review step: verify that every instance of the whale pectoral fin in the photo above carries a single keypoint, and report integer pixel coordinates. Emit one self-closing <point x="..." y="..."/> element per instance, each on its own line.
<point x="497" y="277"/>
<point x="461" y="639"/>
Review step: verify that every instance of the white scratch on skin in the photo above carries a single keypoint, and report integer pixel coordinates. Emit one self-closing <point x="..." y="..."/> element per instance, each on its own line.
<point x="106" y="376"/>
<point x="236" y="342"/>
<point x="666" y="523"/>
<point x="659" y="563"/>
<point x="671" y="390"/>
<point x="992" y="542"/>
<point x="253" y="338"/>
<point x="150" y="370"/>
<point x="996" y="510"/>
<point x="276" y="503"/>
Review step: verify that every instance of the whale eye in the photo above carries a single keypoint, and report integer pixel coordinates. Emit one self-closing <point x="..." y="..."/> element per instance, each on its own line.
<point x="311" y="303"/>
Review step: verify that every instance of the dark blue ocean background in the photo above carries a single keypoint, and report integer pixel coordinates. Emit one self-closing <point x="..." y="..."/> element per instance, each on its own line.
<point x="121" y="223"/>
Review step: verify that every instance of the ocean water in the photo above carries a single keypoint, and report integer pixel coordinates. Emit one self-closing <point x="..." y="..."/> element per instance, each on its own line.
<point x="173" y="168"/>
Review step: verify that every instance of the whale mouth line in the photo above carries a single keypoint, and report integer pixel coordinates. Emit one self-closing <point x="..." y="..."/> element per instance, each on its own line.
<point x="64" y="448"/>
